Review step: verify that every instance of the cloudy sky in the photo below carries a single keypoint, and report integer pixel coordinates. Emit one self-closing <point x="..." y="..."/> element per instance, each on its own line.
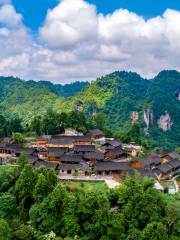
<point x="68" y="40"/>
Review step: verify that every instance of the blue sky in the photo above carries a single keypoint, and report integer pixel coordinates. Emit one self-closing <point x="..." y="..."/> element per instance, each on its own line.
<point x="68" y="40"/>
<point x="34" y="11"/>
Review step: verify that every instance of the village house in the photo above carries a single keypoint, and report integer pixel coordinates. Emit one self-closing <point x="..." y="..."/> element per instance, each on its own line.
<point x="165" y="171"/>
<point x="42" y="141"/>
<point x="109" y="146"/>
<point x="149" y="162"/>
<point x="71" y="158"/>
<point x="55" y="153"/>
<point x="116" y="153"/>
<point x="46" y="164"/>
<point x="61" y="142"/>
<point x="97" y="134"/>
<point x="170" y="156"/>
<point x="82" y="140"/>
<point x="111" y="168"/>
<point x="84" y="148"/>
<point x="73" y="169"/>
<point x="93" y="157"/>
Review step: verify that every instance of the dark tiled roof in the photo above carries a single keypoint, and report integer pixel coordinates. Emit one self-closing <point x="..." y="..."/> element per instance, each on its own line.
<point x="56" y="152"/>
<point x="165" y="167"/>
<point x="71" y="158"/>
<point x="111" y="166"/>
<point x="46" y="164"/>
<point x="151" y="160"/>
<point x="71" y="167"/>
<point x="113" y="143"/>
<point x="61" y="141"/>
<point x="175" y="163"/>
<point x="82" y="138"/>
<point x="96" y="132"/>
<point x="2" y="145"/>
<point x="32" y="159"/>
<point x="94" y="156"/>
<point x="117" y="151"/>
<point x="84" y="148"/>
<point x="173" y="155"/>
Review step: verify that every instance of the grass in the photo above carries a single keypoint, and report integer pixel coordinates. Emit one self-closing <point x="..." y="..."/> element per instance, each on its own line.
<point x="87" y="186"/>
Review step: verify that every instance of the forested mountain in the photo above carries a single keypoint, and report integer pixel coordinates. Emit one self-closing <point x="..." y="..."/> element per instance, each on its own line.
<point x="30" y="98"/>
<point x="123" y="97"/>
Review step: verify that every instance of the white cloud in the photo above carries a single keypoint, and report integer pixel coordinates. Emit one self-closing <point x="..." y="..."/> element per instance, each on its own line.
<point x="76" y="43"/>
<point x="9" y="16"/>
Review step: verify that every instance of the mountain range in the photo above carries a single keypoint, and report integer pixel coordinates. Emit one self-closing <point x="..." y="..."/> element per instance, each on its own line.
<point x="124" y="98"/>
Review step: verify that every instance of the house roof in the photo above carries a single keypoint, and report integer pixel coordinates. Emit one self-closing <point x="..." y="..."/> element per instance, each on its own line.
<point x="56" y="152"/>
<point x="173" y="155"/>
<point x="175" y="163"/>
<point x="64" y="166"/>
<point x="82" y="138"/>
<point x="113" y="143"/>
<point x="2" y="145"/>
<point x="71" y="158"/>
<point x="111" y="166"/>
<point x="32" y="159"/>
<point x="61" y="140"/>
<point x="95" y="132"/>
<point x="93" y="156"/>
<point x="84" y="148"/>
<point x="117" y="151"/>
<point x="46" y="164"/>
<point x="165" y="167"/>
<point x="150" y="160"/>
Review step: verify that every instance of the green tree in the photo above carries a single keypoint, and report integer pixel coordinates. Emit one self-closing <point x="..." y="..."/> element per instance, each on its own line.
<point x="47" y="215"/>
<point x="18" y="138"/>
<point x="40" y="189"/>
<point x="22" y="161"/>
<point x="24" y="232"/>
<point x="8" y="206"/>
<point x="36" y="125"/>
<point x="24" y="191"/>
<point x="5" y="233"/>
<point x="155" y="231"/>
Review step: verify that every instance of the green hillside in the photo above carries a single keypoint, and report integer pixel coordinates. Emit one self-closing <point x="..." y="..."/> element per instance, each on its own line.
<point x="117" y="95"/>
<point x="29" y="98"/>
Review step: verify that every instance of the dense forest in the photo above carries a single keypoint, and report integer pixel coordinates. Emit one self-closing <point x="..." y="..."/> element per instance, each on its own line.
<point x="36" y="205"/>
<point x="116" y="95"/>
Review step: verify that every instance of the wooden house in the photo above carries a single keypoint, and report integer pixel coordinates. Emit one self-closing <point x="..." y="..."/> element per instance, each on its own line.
<point x="170" y="156"/>
<point x="78" y="169"/>
<point x="41" y="141"/>
<point x="149" y="162"/>
<point x="111" y="168"/>
<point x="96" y="134"/>
<point x="166" y="171"/>
<point x="32" y="159"/>
<point x="93" y="157"/>
<point x="176" y="166"/>
<point x="109" y="146"/>
<point x="71" y="158"/>
<point x="84" y="148"/>
<point x="55" y="153"/>
<point x="46" y="164"/>
<point x="61" y="142"/>
<point x="82" y="140"/>
<point x="116" y="153"/>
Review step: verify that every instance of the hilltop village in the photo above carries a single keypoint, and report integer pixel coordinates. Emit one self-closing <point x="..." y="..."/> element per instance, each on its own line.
<point x="75" y="154"/>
